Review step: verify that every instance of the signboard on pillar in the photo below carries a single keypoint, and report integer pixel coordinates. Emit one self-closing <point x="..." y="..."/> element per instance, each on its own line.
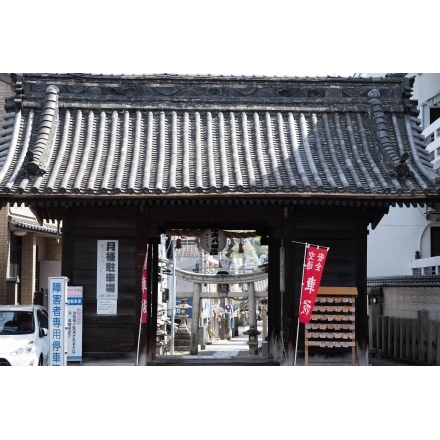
<point x="57" y="297"/>
<point x="74" y="323"/>
<point x="107" y="277"/>
<point x="188" y="311"/>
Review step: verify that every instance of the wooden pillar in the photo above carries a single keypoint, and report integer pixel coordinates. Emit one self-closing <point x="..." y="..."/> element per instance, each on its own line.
<point x="194" y="345"/>
<point x="396" y="337"/>
<point x="385" y="330"/>
<point x="374" y="312"/>
<point x="275" y="324"/>
<point x="408" y="339"/>
<point x="422" y="317"/>
<point x="390" y="345"/>
<point x="379" y="335"/>
<point x="415" y="340"/>
<point x="402" y="338"/>
<point x="437" y="361"/>
<point x="264" y="318"/>
<point x="432" y="328"/>
<point x="362" y="298"/>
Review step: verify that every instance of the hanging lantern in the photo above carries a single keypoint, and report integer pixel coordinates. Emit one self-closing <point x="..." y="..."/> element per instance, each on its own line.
<point x="213" y="240"/>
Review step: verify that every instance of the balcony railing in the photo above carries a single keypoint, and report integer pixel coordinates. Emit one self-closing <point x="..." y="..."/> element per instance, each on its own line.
<point x="426" y="266"/>
<point x="432" y="135"/>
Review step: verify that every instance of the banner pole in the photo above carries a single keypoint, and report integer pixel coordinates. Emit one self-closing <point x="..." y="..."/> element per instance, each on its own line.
<point x="143" y="302"/>
<point x="309" y="244"/>
<point x="139" y="340"/>
<point x="296" y="345"/>
<point x="300" y="298"/>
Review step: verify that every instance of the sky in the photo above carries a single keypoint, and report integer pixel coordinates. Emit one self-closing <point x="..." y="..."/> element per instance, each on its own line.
<point x="227" y="37"/>
<point x="223" y="37"/>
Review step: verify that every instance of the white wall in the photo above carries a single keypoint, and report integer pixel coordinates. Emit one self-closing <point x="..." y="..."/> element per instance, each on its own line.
<point x="49" y="268"/>
<point x="426" y="85"/>
<point x="392" y="244"/>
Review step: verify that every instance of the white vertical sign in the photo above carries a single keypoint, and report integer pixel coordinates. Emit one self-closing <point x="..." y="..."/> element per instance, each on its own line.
<point x="107" y="277"/>
<point x="57" y="292"/>
<point x="74" y="323"/>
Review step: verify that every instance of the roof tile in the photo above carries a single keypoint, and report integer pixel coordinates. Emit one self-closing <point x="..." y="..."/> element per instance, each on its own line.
<point x="173" y="135"/>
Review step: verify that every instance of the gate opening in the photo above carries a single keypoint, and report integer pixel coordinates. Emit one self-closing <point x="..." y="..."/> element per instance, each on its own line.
<point x="212" y="304"/>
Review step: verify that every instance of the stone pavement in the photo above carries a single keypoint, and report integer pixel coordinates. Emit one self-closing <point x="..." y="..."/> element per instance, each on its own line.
<point x="236" y="352"/>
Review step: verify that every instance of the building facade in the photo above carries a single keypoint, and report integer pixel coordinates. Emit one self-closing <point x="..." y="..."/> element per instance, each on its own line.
<point x="411" y="234"/>
<point x="404" y="259"/>
<point x="122" y="160"/>
<point x="31" y="252"/>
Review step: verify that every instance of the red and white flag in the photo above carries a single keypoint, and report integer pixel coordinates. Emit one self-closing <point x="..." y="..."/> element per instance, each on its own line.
<point x="144" y="290"/>
<point x="312" y="274"/>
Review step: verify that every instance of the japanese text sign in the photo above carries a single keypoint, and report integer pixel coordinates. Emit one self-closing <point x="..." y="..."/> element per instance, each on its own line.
<point x="74" y="323"/>
<point x="312" y="274"/>
<point x="57" y="292"/>
<point x="107" y="282"/>
<point x="213" y="241"/>
<point x="144" y="289"/>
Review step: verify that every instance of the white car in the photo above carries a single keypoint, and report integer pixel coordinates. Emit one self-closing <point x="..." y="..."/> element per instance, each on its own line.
<point x="24" y="339"/>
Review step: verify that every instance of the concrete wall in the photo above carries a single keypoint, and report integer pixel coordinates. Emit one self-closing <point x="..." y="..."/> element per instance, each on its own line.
<point x="405" y="302"/>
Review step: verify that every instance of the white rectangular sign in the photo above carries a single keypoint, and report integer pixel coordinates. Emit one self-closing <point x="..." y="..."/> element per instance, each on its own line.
<point x="107" y="306"/>
<point x="107" y="269"/>
<point x="57" y="292"/>
<point x="74" y="323"/>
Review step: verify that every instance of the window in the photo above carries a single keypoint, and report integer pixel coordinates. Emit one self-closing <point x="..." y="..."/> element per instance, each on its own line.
<point x="15" y="256"/>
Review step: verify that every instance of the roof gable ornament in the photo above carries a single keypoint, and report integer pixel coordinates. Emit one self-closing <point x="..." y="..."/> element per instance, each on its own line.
<point x="395" y="165"/>
<point x="30" y="167"/>
<point x="401" y="170"/>
<point x="35" y="161"/>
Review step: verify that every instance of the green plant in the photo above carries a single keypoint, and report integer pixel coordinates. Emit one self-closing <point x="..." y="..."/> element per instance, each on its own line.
<point x="211" y="333"/>
<point x="238" y="321"/>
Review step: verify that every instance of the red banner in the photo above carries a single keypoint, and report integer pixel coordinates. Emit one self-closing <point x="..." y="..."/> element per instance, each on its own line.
<point x="312" y="274"/>
<point x="144" y="290"/>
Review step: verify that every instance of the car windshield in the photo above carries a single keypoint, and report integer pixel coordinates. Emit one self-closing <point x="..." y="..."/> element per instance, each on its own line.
<point x="18" y="322"/>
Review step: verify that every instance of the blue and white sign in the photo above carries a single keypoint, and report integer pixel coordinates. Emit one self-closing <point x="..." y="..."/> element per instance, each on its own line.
<point x="57" y="296"/>
<point x="74" y="323"/>
<point x="188" y="311"/>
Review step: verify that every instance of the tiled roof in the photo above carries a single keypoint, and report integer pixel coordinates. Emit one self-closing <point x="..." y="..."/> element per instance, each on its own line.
<point x="34" y="226"/>
<point x="108" y="136"/>
<point x="404" y="281"/>
<point x="21" y="217"/>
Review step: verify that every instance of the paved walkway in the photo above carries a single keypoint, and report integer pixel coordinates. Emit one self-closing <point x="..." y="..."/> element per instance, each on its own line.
<point x="236" y="352"/>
